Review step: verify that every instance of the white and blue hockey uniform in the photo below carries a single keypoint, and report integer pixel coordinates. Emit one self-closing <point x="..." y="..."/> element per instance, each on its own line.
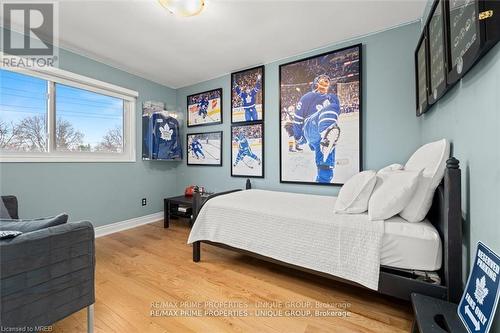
<point x="317" y="113"/>
<point x="203" y="107"/>
<point x="249" y="99"/>
<point x="197" y="148"/>
<point x="244" y="149"/>
<point x="165" y="134"/>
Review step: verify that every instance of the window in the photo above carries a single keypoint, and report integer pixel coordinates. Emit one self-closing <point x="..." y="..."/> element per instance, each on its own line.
<point x="23" y="116"/>
<point x="59" y="116"/>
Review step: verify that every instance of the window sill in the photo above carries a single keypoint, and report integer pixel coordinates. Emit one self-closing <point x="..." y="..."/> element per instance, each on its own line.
<point x="76" y="158"/>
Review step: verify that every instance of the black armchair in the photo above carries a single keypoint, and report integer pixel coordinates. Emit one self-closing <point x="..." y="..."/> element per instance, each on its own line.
<point x="46" y="274"/>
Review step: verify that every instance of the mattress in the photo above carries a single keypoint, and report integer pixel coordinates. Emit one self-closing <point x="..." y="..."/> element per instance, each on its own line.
<point x="414" y="246"/>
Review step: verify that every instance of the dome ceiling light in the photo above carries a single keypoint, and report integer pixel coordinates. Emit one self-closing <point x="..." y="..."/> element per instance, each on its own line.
<point x="183" y="7"/>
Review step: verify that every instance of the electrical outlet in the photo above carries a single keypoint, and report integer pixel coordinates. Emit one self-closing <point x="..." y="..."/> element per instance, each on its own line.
<point x="144" y="202"/>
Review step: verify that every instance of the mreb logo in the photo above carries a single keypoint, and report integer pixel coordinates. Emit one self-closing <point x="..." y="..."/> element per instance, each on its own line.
<point x="29" y="34"/>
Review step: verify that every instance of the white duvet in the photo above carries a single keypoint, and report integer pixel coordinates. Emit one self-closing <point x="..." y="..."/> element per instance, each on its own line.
<point x="300" y="229"/>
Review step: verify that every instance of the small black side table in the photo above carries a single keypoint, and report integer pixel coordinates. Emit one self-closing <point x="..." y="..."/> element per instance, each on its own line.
<point x="171" y="203"/>
<point x="433" y="315"/>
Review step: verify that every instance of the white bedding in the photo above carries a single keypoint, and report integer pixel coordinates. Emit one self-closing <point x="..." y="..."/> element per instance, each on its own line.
<point x="415" y="246"/>
<point x="299" y="229"/>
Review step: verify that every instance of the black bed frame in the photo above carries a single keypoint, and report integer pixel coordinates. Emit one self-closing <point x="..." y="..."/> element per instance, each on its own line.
<point x="445" y="215"/>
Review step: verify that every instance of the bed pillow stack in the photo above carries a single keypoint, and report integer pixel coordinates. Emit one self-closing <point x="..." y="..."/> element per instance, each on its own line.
<point x="406" y="190"/>
<point x="354" y="195"/>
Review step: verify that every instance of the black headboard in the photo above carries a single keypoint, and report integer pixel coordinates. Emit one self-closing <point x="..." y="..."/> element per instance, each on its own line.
<point x="446" y="215"/>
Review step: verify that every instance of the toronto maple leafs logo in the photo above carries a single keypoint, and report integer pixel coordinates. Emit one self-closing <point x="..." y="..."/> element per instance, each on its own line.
<point x="166" y="132"/>
<point x="481" y="290"/>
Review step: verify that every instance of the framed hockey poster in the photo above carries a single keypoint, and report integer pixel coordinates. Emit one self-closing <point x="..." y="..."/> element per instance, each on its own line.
<point x="204" y="148"/>
<point x="205" y="108"/>
<point x="247" y="95"/>
<point x="247" y="150"/>
<point x="320" y="126"/>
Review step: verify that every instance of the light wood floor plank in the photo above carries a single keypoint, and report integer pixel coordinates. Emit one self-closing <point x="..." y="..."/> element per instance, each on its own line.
<point x="150" y="264"/>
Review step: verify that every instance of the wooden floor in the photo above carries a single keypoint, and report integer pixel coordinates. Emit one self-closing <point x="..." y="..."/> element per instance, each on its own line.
<point x="150" y="268"/>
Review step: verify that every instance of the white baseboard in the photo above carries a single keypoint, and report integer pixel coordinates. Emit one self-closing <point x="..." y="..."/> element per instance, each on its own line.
<point x="127" y="224"/>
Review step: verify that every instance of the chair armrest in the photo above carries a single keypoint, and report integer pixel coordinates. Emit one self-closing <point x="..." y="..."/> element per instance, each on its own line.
<point x="40" y="248"/>
<point x="47" y="274"/>
<point x="9" y="207"/>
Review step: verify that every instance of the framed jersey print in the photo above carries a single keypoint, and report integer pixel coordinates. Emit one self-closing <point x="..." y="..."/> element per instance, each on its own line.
<point x="205" y="108"/>
<point x="247" y="95"/>
<point x="204" y="148"/>
<point x="160" y="133"/>
<point x="247" y="150"/>
<point x="320" y="126"/>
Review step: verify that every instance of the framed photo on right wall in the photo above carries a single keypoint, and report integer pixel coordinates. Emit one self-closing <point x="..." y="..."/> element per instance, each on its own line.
<point x="321" y="112"/>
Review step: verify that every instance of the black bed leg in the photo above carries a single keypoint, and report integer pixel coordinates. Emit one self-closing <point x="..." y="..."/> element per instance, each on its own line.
<point x="196" y="251"/>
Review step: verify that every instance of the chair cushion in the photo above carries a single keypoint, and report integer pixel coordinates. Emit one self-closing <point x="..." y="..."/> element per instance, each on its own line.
<point x="25" y="226"/>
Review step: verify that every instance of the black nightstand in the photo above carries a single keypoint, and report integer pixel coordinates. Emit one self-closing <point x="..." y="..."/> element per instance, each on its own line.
<point x="180" y="206"/>
<point x="433" y="315"/>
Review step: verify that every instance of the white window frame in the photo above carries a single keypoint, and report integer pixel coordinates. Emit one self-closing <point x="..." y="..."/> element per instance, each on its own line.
<point x="56" y="75"/>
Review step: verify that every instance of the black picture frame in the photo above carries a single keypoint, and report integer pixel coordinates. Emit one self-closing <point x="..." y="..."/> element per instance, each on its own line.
<point x="262" y="152"/>
<point x="422" y="97"/>
<point x="233" y="97"/>
<point x="219" y="164"/>
<point x="438" y="49"/>
<point x="221" y="112"/>
<point x="484" y="14"/>
<point x="359" y="48"/>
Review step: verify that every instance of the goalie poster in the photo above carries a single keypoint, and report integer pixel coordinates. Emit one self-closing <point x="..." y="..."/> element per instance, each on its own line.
<point x="320" y="126"/>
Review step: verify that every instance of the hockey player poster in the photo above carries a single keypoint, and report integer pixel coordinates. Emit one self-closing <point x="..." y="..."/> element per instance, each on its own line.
<point x="320" y="127"/>
<point x="247" y="95"/>
<point x="247" y="150"/>
<point x="204" y="148"/>
<point x="205" y="108"/>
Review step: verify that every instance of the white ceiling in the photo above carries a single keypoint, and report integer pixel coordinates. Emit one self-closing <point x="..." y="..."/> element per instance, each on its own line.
<point x="143" y="38"/>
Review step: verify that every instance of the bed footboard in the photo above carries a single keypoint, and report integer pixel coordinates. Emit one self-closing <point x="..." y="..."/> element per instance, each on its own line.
<point x="198" y="203"/>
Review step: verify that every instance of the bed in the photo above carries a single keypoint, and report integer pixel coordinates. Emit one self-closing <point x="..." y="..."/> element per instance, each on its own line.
<point x="391" y="256"/>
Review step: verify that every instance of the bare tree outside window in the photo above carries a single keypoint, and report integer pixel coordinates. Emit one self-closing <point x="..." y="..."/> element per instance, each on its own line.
<point x="112" y="141"/>
<point x="30" y="134"/>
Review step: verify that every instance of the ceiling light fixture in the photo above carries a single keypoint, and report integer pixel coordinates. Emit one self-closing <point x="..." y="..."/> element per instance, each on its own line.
<point x="183" y="7"/>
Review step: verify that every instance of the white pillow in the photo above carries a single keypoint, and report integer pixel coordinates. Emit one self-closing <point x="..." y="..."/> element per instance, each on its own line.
<point x="431" y="159"/>
<point x="392" y="167"/>
<point x="354" y="195"/>
<point x="392" y="193"/>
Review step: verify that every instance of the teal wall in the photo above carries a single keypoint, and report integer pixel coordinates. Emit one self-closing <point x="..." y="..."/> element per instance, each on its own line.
<point x="469" y="116"/>
<point x="99" y="192"/>
<point x="390" y="131"/>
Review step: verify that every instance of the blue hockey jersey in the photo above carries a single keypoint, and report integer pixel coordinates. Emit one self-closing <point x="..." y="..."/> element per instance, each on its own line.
<point x="166" y="144"/>
<point x="324" y="107"/>
<point x="243" y="143"/>
<point x="248" y="98"/>
<point x="203" y="105"/>
<point x="196" y="145"/>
